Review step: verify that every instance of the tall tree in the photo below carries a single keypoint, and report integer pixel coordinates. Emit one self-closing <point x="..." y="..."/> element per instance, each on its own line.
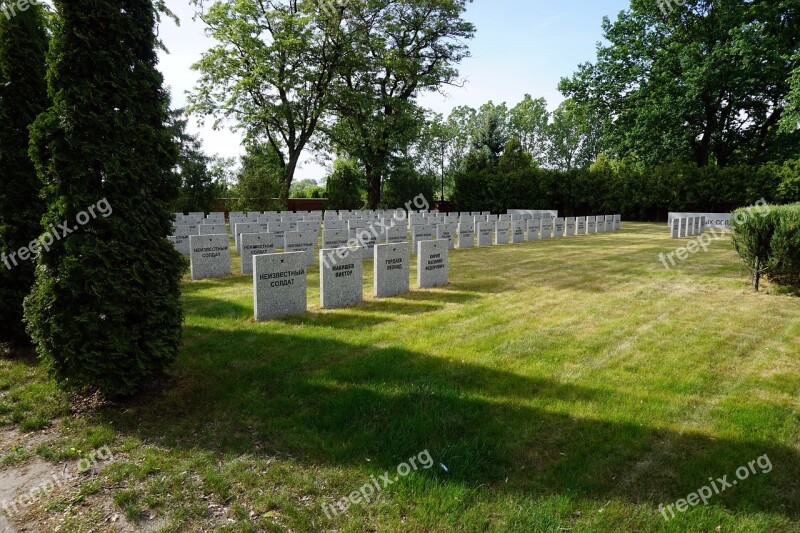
<point x="528" y="123"/>
<point x="105" y="310"/>
<point x="23" y="95"/>
<point x="573" y="136"/>
<point x="705" y="81"/>
<point x="490" y="131"/>
<point x="271" y="71"/>
<point x="199" y="187"/>
<point x="401" y="48"/>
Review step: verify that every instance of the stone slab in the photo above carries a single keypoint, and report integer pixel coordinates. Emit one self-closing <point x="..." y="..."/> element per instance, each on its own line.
<point x="279" y="285"/>
<point x="210" y="256"/>
<point x="392" y="269"/>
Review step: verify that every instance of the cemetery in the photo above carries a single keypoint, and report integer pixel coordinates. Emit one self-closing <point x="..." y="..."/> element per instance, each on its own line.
<point x="340" y="266"/>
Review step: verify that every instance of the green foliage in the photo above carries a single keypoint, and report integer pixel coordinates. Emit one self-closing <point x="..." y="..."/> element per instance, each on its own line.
<point x="105" y="310"/>
<point x="271" y="72"/>
<point x="789" y="188"/>
<point x="706" y="82"/>
<point x="199" y="187"/>
<point x="405" y="183"/>
<point x="307" y="189"/>
<point x="768" y="241"/>
<point x="23" y="95"/>
<point x="259" y="180"/>
<point x="345" y="186"/>
<point x="398" y="50"/>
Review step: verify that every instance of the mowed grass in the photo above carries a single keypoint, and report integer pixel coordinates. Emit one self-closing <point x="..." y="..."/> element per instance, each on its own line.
<point x="564" y="385"/>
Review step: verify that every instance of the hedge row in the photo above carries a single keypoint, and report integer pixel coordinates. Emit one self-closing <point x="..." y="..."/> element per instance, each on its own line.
<point x="612" y="187"/>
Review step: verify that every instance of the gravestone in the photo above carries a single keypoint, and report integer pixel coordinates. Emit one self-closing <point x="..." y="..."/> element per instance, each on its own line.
<point x="617" y="222"/>
<point x="558" y="228"/>
<point x="432" y="263"/>
<point x="335" y="238"/>
<point x="335" y="225"/>
<point x="210" y="256"/>
<point x="591" y="225"/>
<point x="392" y="269"/>
<point x="341" y="279"/>
<point x="180" y="239"/>
<point x="676" y="228"/>
<point x="580" y="226"/>
<point x="396" y="234"/>
<point x="447" y="232"/>
<point x="518" y="231"/>
<point x="304" y="226"/>
<point x="365" y="236"/>
<point x="255" y="244"/>
<point x="279" y="285"/>
<point x="534" y="227"/>
<point x="546" y="228"/>
<point x="684" y="228"/>
<point x="302" y="241"/>
<point x="570" y="227"/>
<point x="421" y="233"/>
<point x="213" y="229"/>
<point x="485" y="230"/>
<point x="466" y="235"/>
<point x="501" y="232"/>
<point x="609" y="223"/>
<point x="279" y="229"/>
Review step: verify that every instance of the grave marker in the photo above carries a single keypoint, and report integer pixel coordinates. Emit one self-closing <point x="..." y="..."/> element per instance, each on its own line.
<point x="279" y="285"/>
<point x="341" y="279"/>
<point x="432" y="264"/>
<point x="392" y="269"/>
<point x="255" y="244"/>
<point x="210" y="256"/>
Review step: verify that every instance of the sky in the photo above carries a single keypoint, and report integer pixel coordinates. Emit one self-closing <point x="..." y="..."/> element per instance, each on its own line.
<point x="520" y="47"/>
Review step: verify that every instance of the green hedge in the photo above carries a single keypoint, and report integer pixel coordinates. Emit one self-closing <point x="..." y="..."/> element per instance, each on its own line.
<point x="768" y="239"/>
<point x="614" y="187"/>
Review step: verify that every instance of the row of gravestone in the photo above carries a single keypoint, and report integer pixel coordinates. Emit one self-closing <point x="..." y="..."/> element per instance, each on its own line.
<point x="280" y="279"/>
<point x="687" y="227"/>
<point x="253" y="239"/>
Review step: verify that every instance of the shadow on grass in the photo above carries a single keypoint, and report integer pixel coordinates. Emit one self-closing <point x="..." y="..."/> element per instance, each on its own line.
<point x="321" y="401"/>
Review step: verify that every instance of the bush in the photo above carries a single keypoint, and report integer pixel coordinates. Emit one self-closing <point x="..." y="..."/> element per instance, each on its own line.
<point x="105" y="310"/>
<point x="768" y="240"/>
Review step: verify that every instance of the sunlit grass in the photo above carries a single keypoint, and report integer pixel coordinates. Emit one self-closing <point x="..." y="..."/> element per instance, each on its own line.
<point x="573" y="384"/>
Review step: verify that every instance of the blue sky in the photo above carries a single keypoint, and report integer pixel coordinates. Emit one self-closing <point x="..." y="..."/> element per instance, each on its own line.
<point x="520" y="47"/>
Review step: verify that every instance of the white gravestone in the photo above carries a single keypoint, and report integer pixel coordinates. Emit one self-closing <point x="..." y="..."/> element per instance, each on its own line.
<point x="558" y="228"/>
<point x="501" y="230"/>
<point x="447" y="232"/>
<point x="466" y="235"/>
<point x="255" y="244"/>
<point x="396" y="234"/>
<point x="210" y="256"/>
<point x="580" y="226"/>
<point x="392" y="269"/>
<point x="546" y="228"/>
<point x="432" y="264"/>
<point x="570" y="227"/>
<point x="534" y="226"/>
<point x="279" y="285"/>
<point x="341" y="279"/>
<point x="518" y="231"/>
<point x="302" y="241"/>
<point x="485" y="230"/>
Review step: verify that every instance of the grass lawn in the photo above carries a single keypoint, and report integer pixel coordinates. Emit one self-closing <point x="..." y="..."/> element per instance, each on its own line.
<point x="564" y="385"/>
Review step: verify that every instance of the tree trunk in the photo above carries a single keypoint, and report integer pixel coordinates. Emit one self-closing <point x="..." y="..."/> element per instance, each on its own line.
<point x="286" y="182"/>
<point x="757" y="276"/>
<point x="373" y="188"/>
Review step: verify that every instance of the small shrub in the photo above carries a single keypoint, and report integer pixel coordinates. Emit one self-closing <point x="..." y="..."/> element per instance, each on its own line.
<point x="768" y="240"/>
